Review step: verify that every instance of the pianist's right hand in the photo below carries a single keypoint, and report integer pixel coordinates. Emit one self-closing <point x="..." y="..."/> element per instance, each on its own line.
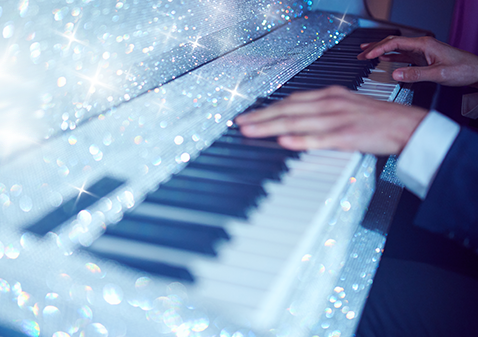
<point x="335" y="118"/>
<point x="432" y="60"/>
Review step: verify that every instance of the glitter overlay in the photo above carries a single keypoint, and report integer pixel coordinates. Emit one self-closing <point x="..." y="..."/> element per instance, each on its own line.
<point x="126" y="93"/>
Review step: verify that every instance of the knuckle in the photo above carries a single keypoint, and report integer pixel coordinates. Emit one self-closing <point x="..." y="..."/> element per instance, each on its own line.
<point x="413" y="74"/>
<point x="427" y="41"/>
<point x="281" y="109"/>
<point x="445" y="74"/>
<point x="312" y="141"/>
<point x="290" y="123"/>
<point x="285" y="124"/>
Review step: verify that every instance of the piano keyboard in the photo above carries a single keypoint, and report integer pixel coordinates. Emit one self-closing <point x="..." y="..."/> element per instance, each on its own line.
<point x="234" y="223"/>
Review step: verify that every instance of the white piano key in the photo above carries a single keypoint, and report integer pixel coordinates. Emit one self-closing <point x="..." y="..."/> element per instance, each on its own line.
<point x="268" y="234"/>
<point x="265" y="246"/>
<point x="309" y="166"/>
<point x="371" y="90"/>
<point x="299" y="188"/>
<point x="126" y="247"/>
<point x="379" y="82"/>
<point x="246" y="296"/>
<point x="277" y="211"/>
<point x="258" y="247"/>
<point x="236" y="269"/>
<point x="320" y="160"/>
<point x="332" y="154"/>
<point x="292" y="202"/>
<point x="154" y="210"/>
<point x="376" y="89"/>
<point x="271" y="220"/>
<point x="317" y="177"/>
<point x="207" y="270"/>
<point x="249" y="260"/>
<point x="143" y="250"/>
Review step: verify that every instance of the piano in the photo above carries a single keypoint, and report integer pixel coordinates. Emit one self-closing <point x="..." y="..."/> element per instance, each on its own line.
<point x="130" y="203"/>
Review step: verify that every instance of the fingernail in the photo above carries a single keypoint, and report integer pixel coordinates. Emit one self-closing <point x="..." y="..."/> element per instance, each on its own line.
<point x="286" y="140"/>
<point x="366" y="56"/>
<point x="239" y="119"/>
<point x="248" y="129"/>
<point x="398" y="75"/>
<point x="364" y="45"/>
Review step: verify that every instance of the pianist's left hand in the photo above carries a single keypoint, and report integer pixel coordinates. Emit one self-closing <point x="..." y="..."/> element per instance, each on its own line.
<point x="431" y="60"/>
<point x="335" y="118"/>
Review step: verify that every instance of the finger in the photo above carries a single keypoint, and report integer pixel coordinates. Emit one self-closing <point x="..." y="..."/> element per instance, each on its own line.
<point x="392" y="43"/>
<point x="403" y="58"/>
<point x="418" y="74"/>
<point x="296" y="104"/>
<point x="316" y="141"/>
<point x="278" y="110"/>
<point x="296" y="125"/>
<point x="342" y="139"/>
<point x="364" y="46"/>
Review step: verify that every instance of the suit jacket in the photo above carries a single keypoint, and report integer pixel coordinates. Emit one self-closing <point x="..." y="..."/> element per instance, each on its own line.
<point x="451" y="206"/>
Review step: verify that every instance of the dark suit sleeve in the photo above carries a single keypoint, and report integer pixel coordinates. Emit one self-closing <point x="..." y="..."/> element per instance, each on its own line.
<point x="451" y="206"/>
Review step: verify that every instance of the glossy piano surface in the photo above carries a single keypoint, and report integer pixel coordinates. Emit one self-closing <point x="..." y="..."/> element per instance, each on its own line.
<point x="145" y="211"/>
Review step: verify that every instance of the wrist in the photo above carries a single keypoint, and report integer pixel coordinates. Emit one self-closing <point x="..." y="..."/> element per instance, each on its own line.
<point x="422" y="156"/>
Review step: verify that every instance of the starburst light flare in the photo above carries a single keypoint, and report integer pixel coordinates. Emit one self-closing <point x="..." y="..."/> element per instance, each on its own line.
<point x="105" y="101"/>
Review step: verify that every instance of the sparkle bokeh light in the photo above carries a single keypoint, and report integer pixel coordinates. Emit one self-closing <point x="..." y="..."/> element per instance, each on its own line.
<point x="131" y="90"/>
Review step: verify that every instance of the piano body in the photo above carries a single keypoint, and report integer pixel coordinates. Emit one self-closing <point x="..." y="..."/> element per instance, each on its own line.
<point x="130" y="204"/>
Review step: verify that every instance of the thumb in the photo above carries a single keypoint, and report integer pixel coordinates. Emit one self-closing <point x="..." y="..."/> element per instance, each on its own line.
<point x="417" y="74"/>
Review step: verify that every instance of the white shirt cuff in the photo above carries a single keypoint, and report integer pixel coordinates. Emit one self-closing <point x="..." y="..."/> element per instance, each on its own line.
<point x="425" y="151"/>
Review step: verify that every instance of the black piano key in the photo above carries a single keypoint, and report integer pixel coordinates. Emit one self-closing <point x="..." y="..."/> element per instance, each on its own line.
<point x="202" y="173"/>
<point x="346" y="58"/>
<point x="344" y="51"/>
<point x="319" y="83"/>
<point x="354" y="75"/>
<point x="152" y="267"/>
<point x="247" y="196"/>
<point x="285" y="92"/>
<point x="244" y="144"/>
<point x="324" y="72"/>
<point x="373" y="33"/>
<point x="317" y="78"/>
<point x="246" y="153"/>
<point x="346" y="48"/>
<point x="220" y="172"/>
<point x="161" y="220"/>
<point x="350" y="61"/>
<point x="250" y="175"/>
<point x="88" y="197"/>
<point x="195" y="238"/>
<point x="214" y="187"/>
<point x="359" y="70"/>
<point x="337" y="63"/>
<point x="362" y="71"/>
<point x="237" y="163"/>
<point x="232" y="206"/>
<point x="253" y="142"/>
